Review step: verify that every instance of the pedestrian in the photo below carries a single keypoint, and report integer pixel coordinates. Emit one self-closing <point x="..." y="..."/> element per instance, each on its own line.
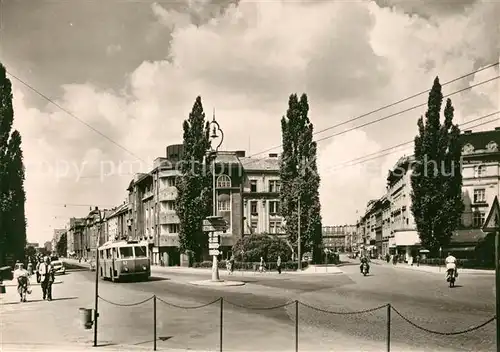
<point x="37" y="269"/>
<point x="46" y="278"/>
<point x="261" y="266"/>
<point x="231" y="264"/>
<point x="30" y="268"/>
<point x="418" y="259"/>
<point x="278" y="265"/>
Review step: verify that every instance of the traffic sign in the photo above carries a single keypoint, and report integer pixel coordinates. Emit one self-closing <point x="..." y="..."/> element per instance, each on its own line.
<point x="213" y="246"/>
<point x="213" y="252"/>
<point x="491" y="223"/>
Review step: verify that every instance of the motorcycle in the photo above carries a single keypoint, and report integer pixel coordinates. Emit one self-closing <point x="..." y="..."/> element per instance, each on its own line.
<point x="451" y="277"/>
<point x="364" y="269"/>
<point x="23" y="287"/>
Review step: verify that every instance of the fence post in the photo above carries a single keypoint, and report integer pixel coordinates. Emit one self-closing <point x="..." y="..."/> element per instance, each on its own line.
<point x="221" y="320"/>
<point x="389" y="327"/>
<point x="154" y="323"/>
<point x="296" y="326"/>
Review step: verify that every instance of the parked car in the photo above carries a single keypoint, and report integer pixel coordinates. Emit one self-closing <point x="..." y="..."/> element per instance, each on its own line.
<point x="59" y="268"/>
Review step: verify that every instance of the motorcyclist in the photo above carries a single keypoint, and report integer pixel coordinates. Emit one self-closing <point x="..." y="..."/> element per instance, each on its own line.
<point x="22" y="277"/>
<point x="451" y="265"/>
<point x="364" y="260"/>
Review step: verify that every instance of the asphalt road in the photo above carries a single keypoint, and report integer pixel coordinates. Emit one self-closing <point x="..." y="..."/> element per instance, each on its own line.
<point x="424" y="298"/>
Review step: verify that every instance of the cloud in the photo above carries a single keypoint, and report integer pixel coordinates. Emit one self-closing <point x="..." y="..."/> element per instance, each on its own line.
<point x="245" y="60"/>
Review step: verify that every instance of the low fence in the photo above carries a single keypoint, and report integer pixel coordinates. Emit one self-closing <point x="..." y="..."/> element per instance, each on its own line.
<point x="253" y="266"/>
<point x="462" y="263"/>
<point x="389" y="309"/>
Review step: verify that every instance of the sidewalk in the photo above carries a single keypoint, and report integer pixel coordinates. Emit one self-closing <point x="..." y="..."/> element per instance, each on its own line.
<point x="430" y="269"/>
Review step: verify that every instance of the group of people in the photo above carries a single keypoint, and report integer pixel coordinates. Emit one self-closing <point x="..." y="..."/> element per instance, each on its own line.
<point x="45" y="276"/>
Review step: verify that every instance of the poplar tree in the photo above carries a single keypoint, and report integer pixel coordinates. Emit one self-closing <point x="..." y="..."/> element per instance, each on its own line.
<point x="437" y="179"/>
<point x="62" y="245"/>
<point x="12" y="198"/>
<point x="300" y="178"/>
<point x="194" y="197"/>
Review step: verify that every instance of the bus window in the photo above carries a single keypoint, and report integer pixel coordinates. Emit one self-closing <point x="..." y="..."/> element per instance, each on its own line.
<point x="101" y="254"/>
<point x="115" y="253"/>
<point x="108" y="253"/>
<point x="126" y="252"/>
<point x="140" y="252"/>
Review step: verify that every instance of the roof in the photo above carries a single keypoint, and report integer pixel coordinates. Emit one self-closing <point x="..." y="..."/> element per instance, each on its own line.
<point x="479" y="140"/>
<point x="227" y="158"/>
<point x="116" y="211"/>
<point x="467" y="236"/>
<point x="260" y="164"/>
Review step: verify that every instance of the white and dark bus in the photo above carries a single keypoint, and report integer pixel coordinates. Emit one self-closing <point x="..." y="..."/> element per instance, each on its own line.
<point x="124" y="259"/>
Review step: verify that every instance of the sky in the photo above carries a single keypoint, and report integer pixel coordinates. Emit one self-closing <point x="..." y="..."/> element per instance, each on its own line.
<point x="124" y="75"/>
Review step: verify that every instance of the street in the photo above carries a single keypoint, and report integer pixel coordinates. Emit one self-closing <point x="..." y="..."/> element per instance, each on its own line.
<point x="422" y="297"/>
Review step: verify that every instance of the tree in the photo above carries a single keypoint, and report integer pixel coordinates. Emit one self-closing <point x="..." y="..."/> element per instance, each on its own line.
<point x="194" y="197"/>
<point x="300" y="178"/>
<point x="437" y="176"/>
<point x="251" y="248"/>
<point x="12" y="196"/>
<point x="62" y="245"/>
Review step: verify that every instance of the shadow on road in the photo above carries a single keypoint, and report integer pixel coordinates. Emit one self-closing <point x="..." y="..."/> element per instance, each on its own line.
<point x="39" y="300"/>
<point x="161" y="338"/>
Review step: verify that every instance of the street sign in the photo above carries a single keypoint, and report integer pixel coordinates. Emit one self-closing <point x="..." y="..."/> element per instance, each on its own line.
<point x="491" y="223"/>
<point x="214" y="223"/>
<point x="213" y="246"/>
<point x="213" y="252"/>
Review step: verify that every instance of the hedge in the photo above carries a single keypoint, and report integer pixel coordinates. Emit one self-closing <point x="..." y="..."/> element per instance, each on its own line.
<point x="252" y="266"/>
<point x="462" y="263"/>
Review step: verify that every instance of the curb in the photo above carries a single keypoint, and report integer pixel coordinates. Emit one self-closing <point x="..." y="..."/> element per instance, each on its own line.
<point x="21" y="347"/>
<point x="32" y="284"/>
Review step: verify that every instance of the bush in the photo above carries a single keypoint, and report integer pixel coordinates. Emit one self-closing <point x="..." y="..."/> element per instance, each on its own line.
<point x="251" y="248"/>
<point x="252" y="266"/>
<point x="462" y="263"/>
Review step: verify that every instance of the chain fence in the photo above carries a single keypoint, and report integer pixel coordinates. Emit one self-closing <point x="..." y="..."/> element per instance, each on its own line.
<point x="221" y="301"/>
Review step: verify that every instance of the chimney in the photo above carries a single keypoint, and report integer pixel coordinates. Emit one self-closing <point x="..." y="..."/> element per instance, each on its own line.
<point x="468" y="132"/>
<point x="273" y="155"/>
<point x="240" y="153"/>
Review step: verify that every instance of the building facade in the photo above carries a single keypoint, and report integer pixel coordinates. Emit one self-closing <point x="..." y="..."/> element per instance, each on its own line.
<point x="115" y="223"/>
<point x="75" y="235"/>
<point x="481" y="184"/>
<point x="339" y="238"/>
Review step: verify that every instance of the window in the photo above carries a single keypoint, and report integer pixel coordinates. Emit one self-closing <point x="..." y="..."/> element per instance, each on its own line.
<point x="140" y="252"/>
<point x="253" y="186"/>
<point x="274" y="186"/>
<point x="479" y="171"/>
<point x="254" y="225"/>
<point x="170" y="205"/>
<point x="478" y="219"/>
<point x="273" y="207"/>
<point x="223" y="205"/>
<point x="480" y="195"/>
<point x="253" y="207"/>
<point x="173" y="228"/>
<point x="274" y="226"/>
<point x="126" y="252"/>
<point x="223" y="181"/>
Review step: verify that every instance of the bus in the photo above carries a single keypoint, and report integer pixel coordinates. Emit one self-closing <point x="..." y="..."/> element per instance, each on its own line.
<point x="124" y="259"/>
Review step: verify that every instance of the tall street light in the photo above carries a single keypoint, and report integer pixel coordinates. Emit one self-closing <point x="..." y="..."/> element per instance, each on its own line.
<point x="216" y="133"/>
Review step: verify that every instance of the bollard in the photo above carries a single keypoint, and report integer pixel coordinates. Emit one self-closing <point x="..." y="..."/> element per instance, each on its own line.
<point x="389" y="327"/>
<point x="296" y="326"/>
<point x="154" y="322"/>
<point x="2" y="289"/>
<point x="86" y="318"/>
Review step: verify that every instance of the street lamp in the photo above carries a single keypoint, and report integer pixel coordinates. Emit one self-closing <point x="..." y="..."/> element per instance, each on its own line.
<point x="96" y="314"/>
<point x="216" y="132"/>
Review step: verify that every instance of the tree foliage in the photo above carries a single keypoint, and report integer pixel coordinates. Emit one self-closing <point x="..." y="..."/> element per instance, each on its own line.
<point x="12" y="194"/>
<point x="62" y="245"/>
<point x="437" y="179"/>
<point x="300" y="178"/>
<point x="194" y="186"/>
<point x="251" y="248"/>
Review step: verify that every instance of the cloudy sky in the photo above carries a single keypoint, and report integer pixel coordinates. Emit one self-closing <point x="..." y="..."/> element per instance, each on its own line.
<point x="131" y="70"/>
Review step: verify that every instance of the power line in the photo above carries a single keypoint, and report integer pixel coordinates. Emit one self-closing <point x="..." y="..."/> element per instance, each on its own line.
<point x="394" y="151"/>
<point x="73" y="115"/>
<point x="411" y="141"/>
<point x="391" y="105"/>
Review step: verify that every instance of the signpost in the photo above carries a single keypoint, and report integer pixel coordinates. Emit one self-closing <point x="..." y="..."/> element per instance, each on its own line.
<point x="492" y="225"/>
<point x="215" y="226"/>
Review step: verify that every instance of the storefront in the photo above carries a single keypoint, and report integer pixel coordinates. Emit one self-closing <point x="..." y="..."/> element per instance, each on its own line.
<point x="407" y="243"/>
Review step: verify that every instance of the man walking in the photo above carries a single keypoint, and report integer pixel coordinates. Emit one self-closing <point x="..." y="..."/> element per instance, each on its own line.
<point x="278" y="265"/>
<point x="46" y="278"/>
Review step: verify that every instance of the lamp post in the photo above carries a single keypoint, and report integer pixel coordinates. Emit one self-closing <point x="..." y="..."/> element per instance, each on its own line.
<point x="96" y="311"/>
<point x="214" y="127"/>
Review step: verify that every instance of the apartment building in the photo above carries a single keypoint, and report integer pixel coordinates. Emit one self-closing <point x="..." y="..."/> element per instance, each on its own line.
<point x="338" y="238"/>
<point x="481" y="183"/>
<point x="115" y="223"/>
<point x="75" y="235"/>
<point x="260" y="192"/>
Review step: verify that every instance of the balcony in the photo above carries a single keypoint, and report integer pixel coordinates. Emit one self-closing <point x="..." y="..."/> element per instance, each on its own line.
<point x="147" y="195"/>
<point x="171" y="240"/>
<point x="167" y="193"/>
<point x="168" y="217"/>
